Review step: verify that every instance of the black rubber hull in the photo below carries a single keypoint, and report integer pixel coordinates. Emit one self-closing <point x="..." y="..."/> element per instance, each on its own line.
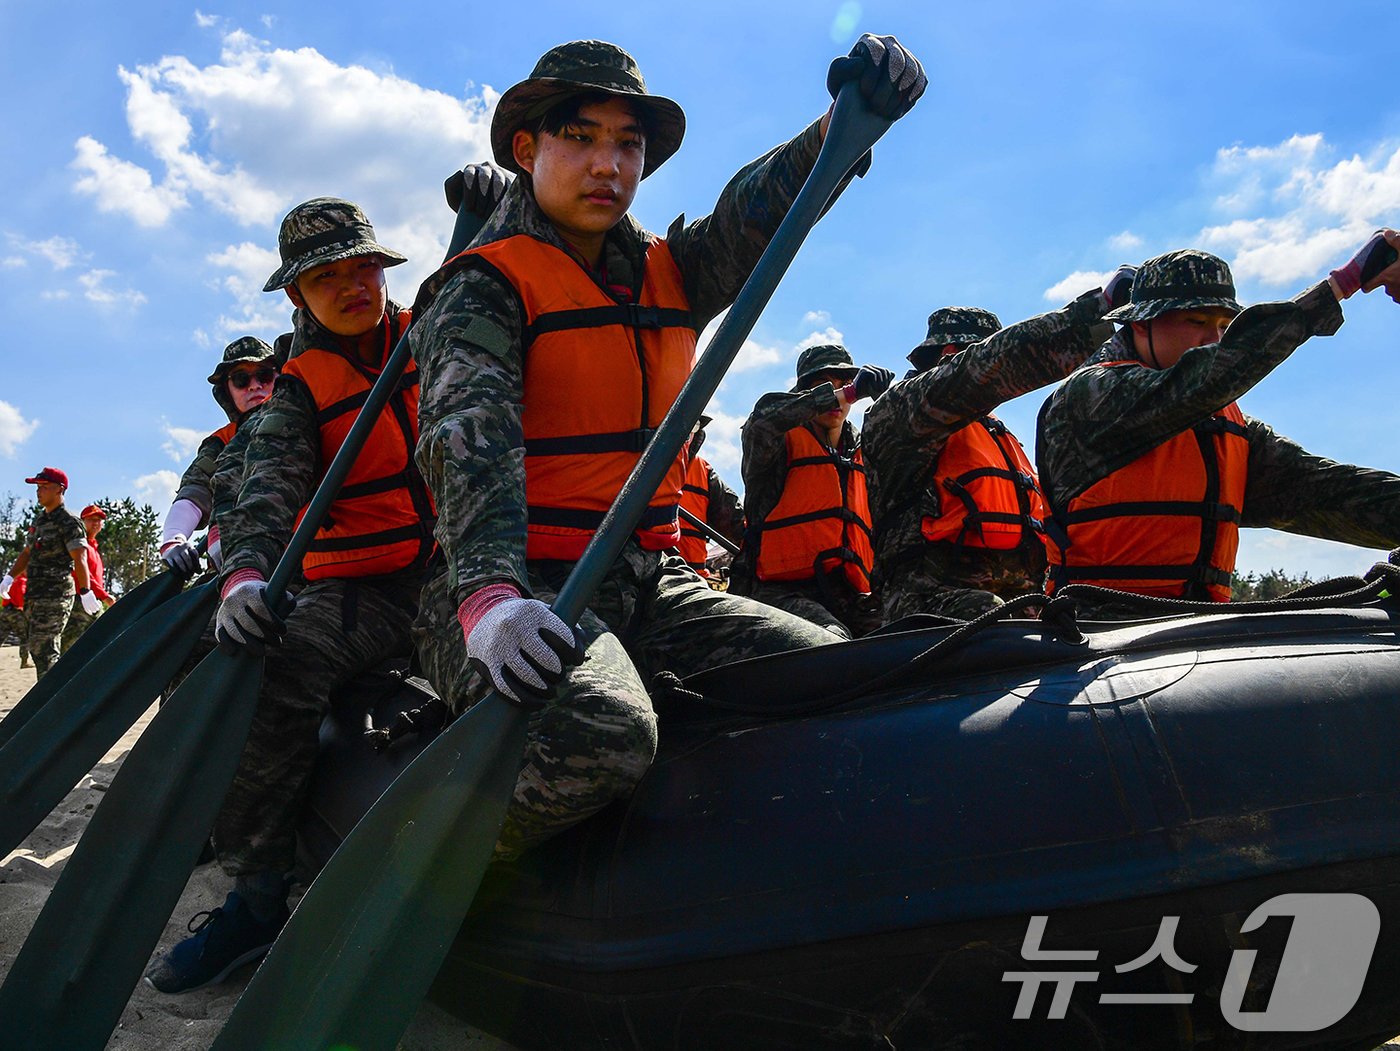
<point x="864" y="878"/>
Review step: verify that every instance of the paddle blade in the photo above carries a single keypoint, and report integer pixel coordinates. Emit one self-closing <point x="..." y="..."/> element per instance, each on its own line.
<point x="105" y="914"/>
<point x="70" y="734"/>
<point x="351" y="966"/>
<point x="132" y="607"/>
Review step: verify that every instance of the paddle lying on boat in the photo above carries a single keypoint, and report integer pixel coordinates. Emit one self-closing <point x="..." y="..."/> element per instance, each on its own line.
<point x="353" y="963"/>
<point x="132" y="607"/>
<point x="86" y="951"/>
<point x="68" y="736"/>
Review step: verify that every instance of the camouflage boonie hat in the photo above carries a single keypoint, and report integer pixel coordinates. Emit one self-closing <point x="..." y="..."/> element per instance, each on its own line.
<point x="827" y="357"/>
<point x="1184" y="280"/>
<point x="579" y="67"/>
<point x="962" y="325"/>
<point x="243" y="350"/>
<point x="320" y="231"/>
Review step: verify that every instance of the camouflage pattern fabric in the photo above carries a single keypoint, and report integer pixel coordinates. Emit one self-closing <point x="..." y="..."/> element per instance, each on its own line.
<point x="1102" y="419"/>
<point x="14" y="622"/>
<point x="726" y="513"/>
<point x="54" y="537"/>
<point x="226" y="476"/>
<point x="47" y="619"/>
<point x="281" y="466"/>
<point x="79" y="620"/>
<point x="828" y="603"/>
<point x="321" y="231"/>
<point x="593" y="743"/>
<point x="340" y="629"/>
<point x="906" y="430"/>
<point x="764" y="442"/>
<point x="467" y="344"/>
<point x="196" y="483"/>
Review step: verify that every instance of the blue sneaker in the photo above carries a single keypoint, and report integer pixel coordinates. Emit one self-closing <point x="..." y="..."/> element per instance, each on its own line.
<point x="222" y="941"/>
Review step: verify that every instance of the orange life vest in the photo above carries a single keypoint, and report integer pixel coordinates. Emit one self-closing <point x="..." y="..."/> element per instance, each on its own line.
<point x="599" y="377"/>
<point x="225" y="433"/>
<point x="822" y="519"/>
<point x="1166" y="524"/>
<point x="996" y="501"/>
<point x="695" y="498"/>
<point x="382" y="519"/>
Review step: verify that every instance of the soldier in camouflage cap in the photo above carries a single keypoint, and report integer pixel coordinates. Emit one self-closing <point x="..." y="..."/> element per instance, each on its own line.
<point x="807" y="545"/>
<point x="324" y="230"/>
<point x="1150" y="469"/>
<point x="582" y="132"/>
<point x="956" y="505"/>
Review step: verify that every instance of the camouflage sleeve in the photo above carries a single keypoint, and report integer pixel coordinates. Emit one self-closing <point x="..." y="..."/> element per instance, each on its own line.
<point x="907" y="427"/>
<point x="1291" y="489"/>
<point x="1101" y="419"/>
<point x="74" y="535"/>
<point x="726" y="514"/>
<point x="471" y="443"/>
<point x="716" y="254"/>
<point x="764" y="444"/>
<point x="227" y="478"/>
<point x="282" y="462"/>
<point x="196" y="483"/>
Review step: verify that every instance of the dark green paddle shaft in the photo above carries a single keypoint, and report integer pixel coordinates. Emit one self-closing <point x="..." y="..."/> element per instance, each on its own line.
<point x="132" y="607"/>
<point x="87" y="949"/>
<point x="709" y="530"/>
<point x="68" y="737"/>
<point x="362" y="947"/>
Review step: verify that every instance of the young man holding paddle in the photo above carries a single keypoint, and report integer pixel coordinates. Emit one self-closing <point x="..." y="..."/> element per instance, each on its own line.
<point x="525" y="452"/>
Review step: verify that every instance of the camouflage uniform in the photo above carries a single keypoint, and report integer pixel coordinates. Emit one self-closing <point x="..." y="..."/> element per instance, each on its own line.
<point x="652" y="611"/>
<point x="1102" y="419"/>
<point x="905" y="432"/>
<point x="54" y="537"/>
<point x="828" y="600"/>
<point x="14" y="622"/>
<point x="341" y="626"/>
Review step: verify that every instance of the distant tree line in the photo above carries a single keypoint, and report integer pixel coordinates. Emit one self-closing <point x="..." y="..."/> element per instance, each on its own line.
<point x="1246" y="587"/>
<point x="129" y="542"/>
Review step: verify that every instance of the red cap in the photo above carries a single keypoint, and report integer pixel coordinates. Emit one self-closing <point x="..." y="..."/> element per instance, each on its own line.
<point x="93" y="511"/>
<point x="49" y="474"/>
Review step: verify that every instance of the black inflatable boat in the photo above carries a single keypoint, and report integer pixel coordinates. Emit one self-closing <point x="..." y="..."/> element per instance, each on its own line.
<point x="1162" y="834"/>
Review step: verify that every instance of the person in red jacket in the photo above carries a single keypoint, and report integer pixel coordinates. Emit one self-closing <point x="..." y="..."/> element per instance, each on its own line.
<point x="93" y="519"/>
<point x="13" y="621"/>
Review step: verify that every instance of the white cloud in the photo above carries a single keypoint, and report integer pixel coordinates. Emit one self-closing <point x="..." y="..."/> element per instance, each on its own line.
<point x="234" y="135"/>
<point x="830" y="334"/>
<point x="181" y="443"/>
<point x="14" y="429"/>
<point x="816" y="318"/>
<point x="722" y="446"/>
<point x="12" y="262"/>
<point x="755" y="355"/>
<point x="1264" y="549"/>
<point x="95" y="289"/>
<point x="1127" y="241"/>
<point x="1291" y="212"/>
<point x="157" y="489"/>
<point x="55" y="294"/>
<point x="1076" y="284"/>
<point x="59" y="252"/>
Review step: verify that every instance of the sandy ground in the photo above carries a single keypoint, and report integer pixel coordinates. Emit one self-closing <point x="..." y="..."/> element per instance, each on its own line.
<point x="152" y="1021"/>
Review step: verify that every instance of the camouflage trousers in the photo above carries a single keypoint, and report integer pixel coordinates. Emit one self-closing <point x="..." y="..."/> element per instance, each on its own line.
<point x="79" y="620"/>
<point x="830" y="604"/>
<point x="594" y="742"/>
<point x="14" y="622"/>
<point x="47" y="619"/>
<point x="959" y="584"/>
<point x="340" y="629"/>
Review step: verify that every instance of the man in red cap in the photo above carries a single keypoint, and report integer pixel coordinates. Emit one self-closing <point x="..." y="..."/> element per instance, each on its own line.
<point x="55" y="558"/>
<point x="93" y="518"/>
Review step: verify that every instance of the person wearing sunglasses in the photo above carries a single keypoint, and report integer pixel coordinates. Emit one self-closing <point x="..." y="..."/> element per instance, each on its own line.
<point x="242" y="382"/>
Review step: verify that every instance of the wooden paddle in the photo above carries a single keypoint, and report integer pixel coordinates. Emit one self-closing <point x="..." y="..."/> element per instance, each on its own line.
<point x="353" y="963"/>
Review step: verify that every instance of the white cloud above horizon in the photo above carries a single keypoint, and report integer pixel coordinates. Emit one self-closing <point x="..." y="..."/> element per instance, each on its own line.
<point x="181" y="443"/>
<point x="157" y="489"/>
<point x="15" y="429"/>
<point x="1075" y="285"/>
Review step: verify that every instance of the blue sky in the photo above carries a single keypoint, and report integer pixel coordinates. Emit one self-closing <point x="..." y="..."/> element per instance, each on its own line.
<point x="152" y="151"/>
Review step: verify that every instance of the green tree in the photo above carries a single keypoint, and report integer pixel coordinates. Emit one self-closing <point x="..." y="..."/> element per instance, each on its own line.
<point x="129" y="543"/>
<point x="1246" y="587"/>
<point x="15" y="516"/>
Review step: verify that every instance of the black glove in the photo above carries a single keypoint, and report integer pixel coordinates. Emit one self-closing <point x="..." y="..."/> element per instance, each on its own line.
<point x="872" y="381"/>
<point x="479" y="187"/>
<point x="891" y="78"/>
<point x="1118" y="289"/>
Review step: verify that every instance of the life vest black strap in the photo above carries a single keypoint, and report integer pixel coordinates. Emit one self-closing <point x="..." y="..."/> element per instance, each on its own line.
<point x="590" y="444"/>
<point x="629" y="315"/>
<point x="390" y="482"/>
<point x="384" y="536"/>
<point x="355" y="401"/>
<point x="834" y="460"/>
<point x="1212" y="512"/>
<point x="579" y="518"/>
<point x="696" y="489"/>
<point x="1220" y="425"/>
<point x="844" y="514"/>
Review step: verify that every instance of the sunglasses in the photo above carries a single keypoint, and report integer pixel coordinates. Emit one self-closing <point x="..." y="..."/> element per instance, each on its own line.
<point x="240" y="380"/>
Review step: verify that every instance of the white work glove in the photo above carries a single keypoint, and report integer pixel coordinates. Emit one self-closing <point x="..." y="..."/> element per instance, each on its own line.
<point x="5" y="586"/>
<point x="215" y="548"/>
<point x="517" y="643"/>
<point x="90" y="604"/>
<point x="245" y="620"/>
<point x="181" y="556"/>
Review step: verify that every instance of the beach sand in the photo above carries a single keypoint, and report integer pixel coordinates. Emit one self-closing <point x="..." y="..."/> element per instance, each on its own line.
<point x="152" y="1021"/>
